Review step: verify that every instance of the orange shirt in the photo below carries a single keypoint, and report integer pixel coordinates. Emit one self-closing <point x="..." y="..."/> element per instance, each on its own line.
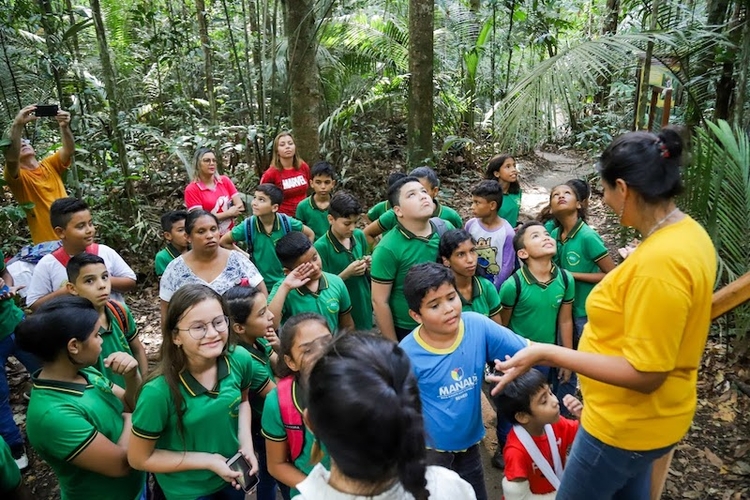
<point x="40" y="186"/>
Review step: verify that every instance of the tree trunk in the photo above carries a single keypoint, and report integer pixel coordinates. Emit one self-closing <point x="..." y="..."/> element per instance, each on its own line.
<point x="200" y="7"/>
<point x="52" y="53"/>
<point x="12" y="73"/>
<point x="108" y="71"/>
<point x="739" y="114"/>
<point x="725" y="86"/>
<point x="646" y="75"/>
<point x="610" y="28"/>
<point x="304" y="83"/>
<point x="420" y="109"/>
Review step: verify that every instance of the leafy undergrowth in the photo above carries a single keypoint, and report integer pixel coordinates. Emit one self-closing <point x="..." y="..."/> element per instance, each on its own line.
<point x="712" y="462"/>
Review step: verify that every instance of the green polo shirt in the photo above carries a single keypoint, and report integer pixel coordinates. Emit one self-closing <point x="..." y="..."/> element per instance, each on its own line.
<point x="388" y="220"/>
<point x="330" y="301"/>
<point x="510" y="208"/>
<point x="579" y="253"/>
<point x="261" y="352"/>
<point x="534" y="316"/>
<point x="378" y="209"/>
<point x="273" y="430"/>
<point x="264" y="247"/>
<point x="63" y="419"/>
<point x="10" y="314"/>
<point x="336" y="257"/>
<point x="10" y="476"/>
<point x="312" y="216"/>
<point x="399" y="251"/>
<point x="115" y="340"/>
<point x="550" y="226"/>
<point x="164" y="257"/>
<point x="484" y="298"/>
<point x="210" y="421"/>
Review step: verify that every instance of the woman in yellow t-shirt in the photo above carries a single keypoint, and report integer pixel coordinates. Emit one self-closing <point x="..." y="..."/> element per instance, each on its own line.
<point x="648" y="323"/>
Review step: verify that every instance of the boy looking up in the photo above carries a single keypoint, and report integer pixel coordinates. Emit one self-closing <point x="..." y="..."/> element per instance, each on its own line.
<point x="343" y="251"/>
<point x="262" y="230"/>
<point x="414" y="240"/>
<point x="448" y="351"/>
<point x="173" y="230"/>
<point x="307" y="288"/>
<point x="538" y="444"/>
<point x="494" y="236"/>
<point x="88" y="278"/>
<point x="313" y="210"/>
<point x="71" y="219"/>
<point x="429" y="179"/>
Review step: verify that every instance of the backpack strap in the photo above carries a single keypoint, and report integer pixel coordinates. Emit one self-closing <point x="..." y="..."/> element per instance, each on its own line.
<point x="291" y="417"/>
<point x="63" y="258"/>
<point x="286" y="225"/>
<point x="440" y="225"/>
<point x="517" y="282"/>
<point x="564" y="277"/>
<point x="553" y="476"/>
<point x="249" y="233"/>
<point x="118" y="312"/>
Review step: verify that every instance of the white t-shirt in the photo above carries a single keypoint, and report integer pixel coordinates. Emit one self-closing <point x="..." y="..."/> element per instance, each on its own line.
<point x="178" y="273"/>
<point x="50" y="274"/>
<point x="442" y="483"/>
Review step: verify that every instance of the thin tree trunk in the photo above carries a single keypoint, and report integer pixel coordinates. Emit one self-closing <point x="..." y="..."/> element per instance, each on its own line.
<point x="304" y="82"/>
<point x="609" y="28"/>
<point x="645" y="76"/>
<point x="740" y="89"/>
<point x="243" y="82"/>
<point x="52" y="52"/>
<point x="200" y="7"/>
<point x="725" y="86"/>
<point x="110" y="85"/>
<point x="512" y="9"/>
<point x="420" y="109"/>
<point x="10" y="70"/>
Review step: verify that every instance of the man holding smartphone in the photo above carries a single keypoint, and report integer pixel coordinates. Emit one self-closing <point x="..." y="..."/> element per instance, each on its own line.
<point x="33" y="181"/>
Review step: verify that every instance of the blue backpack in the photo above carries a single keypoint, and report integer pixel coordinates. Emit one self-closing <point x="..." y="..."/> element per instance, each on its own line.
<point x="286" y="226"/>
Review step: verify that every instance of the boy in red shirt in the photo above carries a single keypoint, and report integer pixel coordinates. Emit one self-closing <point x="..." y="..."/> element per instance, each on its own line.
<point x="532" y="467"/>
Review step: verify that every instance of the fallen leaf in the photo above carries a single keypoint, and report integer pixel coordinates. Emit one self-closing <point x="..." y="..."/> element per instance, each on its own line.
<point x="741" y="451"/>
<point x="711" y="456"/>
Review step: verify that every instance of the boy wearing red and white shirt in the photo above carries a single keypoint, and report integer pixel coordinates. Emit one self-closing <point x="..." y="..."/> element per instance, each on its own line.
<point x="533" y="468"/>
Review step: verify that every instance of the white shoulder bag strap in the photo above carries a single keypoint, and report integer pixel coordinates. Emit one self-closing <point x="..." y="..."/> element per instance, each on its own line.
<point x="553" y="476"/>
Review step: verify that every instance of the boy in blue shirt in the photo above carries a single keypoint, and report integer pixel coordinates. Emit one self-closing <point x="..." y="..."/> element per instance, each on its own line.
<point x="448" y="351"/>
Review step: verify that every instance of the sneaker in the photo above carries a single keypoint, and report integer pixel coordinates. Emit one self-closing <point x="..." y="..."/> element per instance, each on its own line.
<point x="19" y="455"/>
<point x="498" y="461"/>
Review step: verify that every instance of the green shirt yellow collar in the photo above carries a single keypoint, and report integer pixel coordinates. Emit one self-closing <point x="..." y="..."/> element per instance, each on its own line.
<point x="195" y="388"/>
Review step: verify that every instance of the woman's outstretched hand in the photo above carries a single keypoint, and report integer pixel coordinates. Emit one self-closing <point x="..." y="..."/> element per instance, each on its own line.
<point x="512" y="367"/>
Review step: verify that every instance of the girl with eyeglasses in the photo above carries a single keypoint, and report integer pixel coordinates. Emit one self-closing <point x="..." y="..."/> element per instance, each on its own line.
<point x="193" y="413"/>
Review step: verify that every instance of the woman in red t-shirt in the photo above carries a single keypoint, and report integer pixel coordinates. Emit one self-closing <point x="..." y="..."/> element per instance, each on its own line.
<point x="288" y="172"/>
<point x="212" y="192"/>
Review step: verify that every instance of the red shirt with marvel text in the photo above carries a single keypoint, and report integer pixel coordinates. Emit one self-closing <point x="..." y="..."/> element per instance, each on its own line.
<point x="518" y="463"/>
<point x="293" y="182"/>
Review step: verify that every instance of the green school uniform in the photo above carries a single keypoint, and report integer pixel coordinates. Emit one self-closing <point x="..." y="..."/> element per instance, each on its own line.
<point x="210" y="421"/>
<point x="399" y="251"/>
<point x="312" y="216"/>
<point x="336" y="257"/>
<point x="388" y="220"/>
<point x="10" y="476"/>
<point x="115" y="340"/>
<point x="273" y="430"/>
<point x="330" y="301"/>
<point x="510" y="208"/>
<point x="63" y="419"/>
<point x="378" y="209"/>
<point x="579" y="253"/>
<point x="534" y="316"/>
<point x="10" y="314"/>
<point x="550" y="226"/>
<point x="261" y="352"/>
<point x="484" y="298"/>
<point x="164" y="257"/>
<point x="264" y="247"/>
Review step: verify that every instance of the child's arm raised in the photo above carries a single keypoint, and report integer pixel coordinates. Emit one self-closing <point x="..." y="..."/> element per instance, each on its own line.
<point x="295" y="279"/>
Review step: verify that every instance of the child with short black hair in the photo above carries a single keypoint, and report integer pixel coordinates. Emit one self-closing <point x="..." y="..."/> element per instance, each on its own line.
<point x="72" y="222"/>
<point x="262" y="230"/>
<point x="493" y="234"/>
<point x="88" y="278"/>
<point x="414" y="240"/>
<point x="173" y="230"/>
<point x="383" y="206"/>
<point x="307" y="287"/>
<point x="313" y="210"/>
<point x="343" y="251"/>
<point x="448" y="352"/>
<point x="537" y="446"/>
<point x="429" y="179"/>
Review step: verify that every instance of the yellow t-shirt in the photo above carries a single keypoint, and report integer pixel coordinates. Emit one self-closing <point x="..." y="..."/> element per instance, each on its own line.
<point x="655" y="311"/>
<point x="40" y="186"/>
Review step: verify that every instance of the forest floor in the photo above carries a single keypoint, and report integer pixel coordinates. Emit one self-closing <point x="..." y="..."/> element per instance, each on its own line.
<point x="712" y="462"/>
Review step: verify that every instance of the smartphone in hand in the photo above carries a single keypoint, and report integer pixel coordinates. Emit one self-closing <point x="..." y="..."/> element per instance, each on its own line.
<point x="246" y="481"/>
<point x="46" y="110"/>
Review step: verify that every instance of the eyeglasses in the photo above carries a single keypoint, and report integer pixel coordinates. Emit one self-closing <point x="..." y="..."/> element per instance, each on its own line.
<point x="200" y="330"/>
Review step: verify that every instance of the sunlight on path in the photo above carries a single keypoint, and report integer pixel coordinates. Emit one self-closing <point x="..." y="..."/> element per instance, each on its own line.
<point x="562" y="168"/>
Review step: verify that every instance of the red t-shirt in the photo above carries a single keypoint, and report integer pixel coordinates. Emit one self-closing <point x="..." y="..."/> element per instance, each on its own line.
<point x="294" y="184"/>
<point x="216" y="200"/>
<point x="518" y="463"/>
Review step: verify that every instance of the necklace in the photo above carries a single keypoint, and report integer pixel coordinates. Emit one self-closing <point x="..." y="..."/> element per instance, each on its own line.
<point x="656" y="226"/>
